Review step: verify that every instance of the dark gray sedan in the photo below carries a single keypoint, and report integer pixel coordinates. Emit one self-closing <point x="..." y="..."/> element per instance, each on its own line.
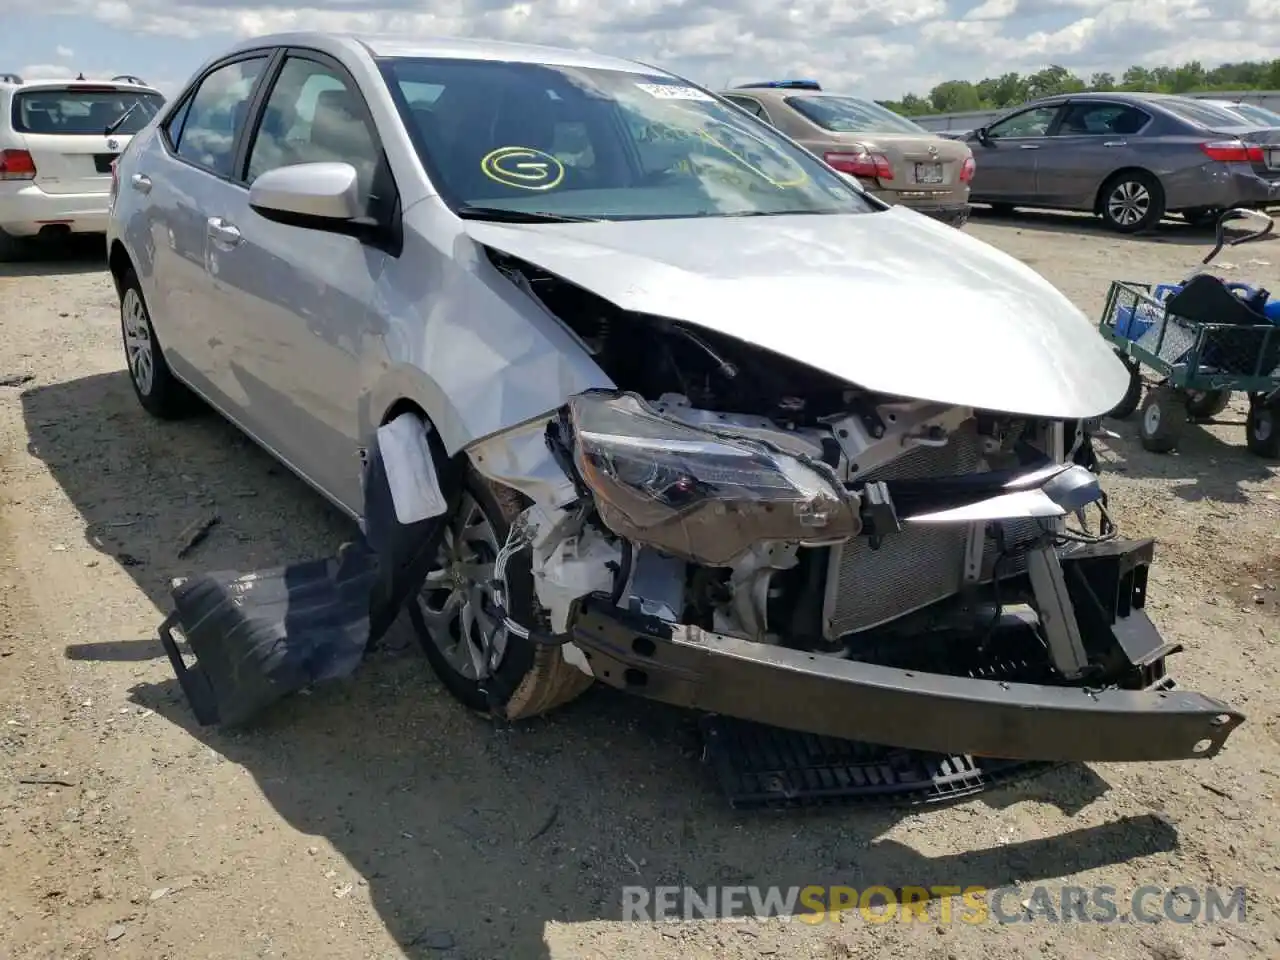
<point x="1129" y="158"/>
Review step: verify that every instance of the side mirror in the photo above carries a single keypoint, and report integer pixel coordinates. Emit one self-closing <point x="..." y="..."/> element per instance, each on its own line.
<point x="980" y="134"/>
<point x="319" y="196"/>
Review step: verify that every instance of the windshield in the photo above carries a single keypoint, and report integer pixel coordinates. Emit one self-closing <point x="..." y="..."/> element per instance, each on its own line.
<point x="852" y="115"/>
<point x="1202" y="114"/>
<point x="77" y="112"/>
<point x="602" y="144"/>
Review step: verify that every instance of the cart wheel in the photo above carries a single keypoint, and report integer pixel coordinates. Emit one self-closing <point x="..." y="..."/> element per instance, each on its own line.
<point x="1206" y="404"/>
<point x="1262" y="432"/>
<point x="1132" y="396"/>
<point x="1164" y="414"/>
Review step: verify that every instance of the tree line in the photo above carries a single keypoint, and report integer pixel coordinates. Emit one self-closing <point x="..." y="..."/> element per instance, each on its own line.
<point x="1012" y="89"/>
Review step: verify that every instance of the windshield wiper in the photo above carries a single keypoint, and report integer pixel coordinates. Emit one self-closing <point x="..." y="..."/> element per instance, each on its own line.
<point x="506" y="215"/>
<point x="115" y="124"/>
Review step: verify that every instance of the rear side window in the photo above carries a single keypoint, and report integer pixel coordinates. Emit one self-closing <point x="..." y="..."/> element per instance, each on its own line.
<point x="204" y="130"/>
<point x="73" y="111"/>
<point x="1101" y="119"/>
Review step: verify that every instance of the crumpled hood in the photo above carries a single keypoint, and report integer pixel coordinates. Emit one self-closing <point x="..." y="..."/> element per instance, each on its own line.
<point x="893" y="301"/>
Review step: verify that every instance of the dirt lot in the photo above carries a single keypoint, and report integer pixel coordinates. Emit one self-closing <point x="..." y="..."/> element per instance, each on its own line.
<point x="378" y="820"/>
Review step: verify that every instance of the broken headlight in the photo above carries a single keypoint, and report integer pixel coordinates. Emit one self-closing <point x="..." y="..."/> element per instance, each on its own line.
<point x="694" y="494"/>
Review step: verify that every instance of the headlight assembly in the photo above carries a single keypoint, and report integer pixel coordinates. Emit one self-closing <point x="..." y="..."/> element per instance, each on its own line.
<point x="694" y="494"/>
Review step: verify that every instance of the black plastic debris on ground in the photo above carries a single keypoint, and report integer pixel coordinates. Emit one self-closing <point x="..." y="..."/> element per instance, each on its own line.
<point x="258" y="637"/>
<point x="757" y="766"/>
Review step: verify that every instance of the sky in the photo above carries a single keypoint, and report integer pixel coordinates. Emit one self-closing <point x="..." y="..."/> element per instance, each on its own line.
<point x="877" y="48"/>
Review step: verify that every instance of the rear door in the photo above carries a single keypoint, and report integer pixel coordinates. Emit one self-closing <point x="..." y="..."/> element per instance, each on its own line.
<point x="1006" y="160"/>
<point x="186" y="180"/>
<point x="1092" y="140"/>
<point x="63" y="128"/>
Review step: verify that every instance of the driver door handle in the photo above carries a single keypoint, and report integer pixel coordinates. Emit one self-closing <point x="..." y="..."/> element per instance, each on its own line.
<point x="140" y="182"/>
<point x="1116" y="143"/>
<point x="1030" y="146"/>
<point x="224" y="232"/>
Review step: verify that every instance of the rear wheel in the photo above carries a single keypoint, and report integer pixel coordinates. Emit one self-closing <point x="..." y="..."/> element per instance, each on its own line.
<point x="1207" y="404"/>
<point x="1131" y="201"/>
<point x="1262" y="431"/>
<point x="160" y="393"/>
<point x="456" y="622"/>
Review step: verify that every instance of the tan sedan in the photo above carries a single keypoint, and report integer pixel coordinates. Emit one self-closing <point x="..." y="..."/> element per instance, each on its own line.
<point x="897" y="160"/>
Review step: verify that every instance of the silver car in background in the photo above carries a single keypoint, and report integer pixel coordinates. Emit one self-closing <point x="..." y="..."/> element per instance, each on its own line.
<point x="1129" y="158"/>
<point x="625" y="385"/>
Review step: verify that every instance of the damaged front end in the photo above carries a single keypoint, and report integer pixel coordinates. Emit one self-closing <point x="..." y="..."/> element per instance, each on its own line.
<point x="901" y="573"/>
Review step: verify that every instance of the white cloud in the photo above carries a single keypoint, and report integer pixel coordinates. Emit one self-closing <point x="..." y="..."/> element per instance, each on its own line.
<point x="64" y="53"/>
<point x="880" y="47"/>
<point x="43" y="71"/>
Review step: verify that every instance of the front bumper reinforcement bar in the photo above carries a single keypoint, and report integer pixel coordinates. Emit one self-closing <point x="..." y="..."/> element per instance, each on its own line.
<point x="698" y="669"/>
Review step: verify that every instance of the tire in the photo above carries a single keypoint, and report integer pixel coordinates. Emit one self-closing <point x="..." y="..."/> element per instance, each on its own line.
<point x="1131" y="202"/>
<point x="12" y="248"/>
<point x="1164" y="415"/>
<point x="1133" y="395"/>
<point x="161" y="394"/>
<point x="1262" y="430"/>
<point x="1207" y="404"/>
<point x="530" y="678"/>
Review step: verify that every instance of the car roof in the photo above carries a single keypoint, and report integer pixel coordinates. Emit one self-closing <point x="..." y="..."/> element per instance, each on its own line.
<point x="46" y="83"/>
<point x="377" y="45"/>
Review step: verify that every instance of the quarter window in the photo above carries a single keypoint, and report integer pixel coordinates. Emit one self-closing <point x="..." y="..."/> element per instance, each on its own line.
<point x="1029" y="123"/>
<point x="204" y="130"/>
<point x="314" y="116"/>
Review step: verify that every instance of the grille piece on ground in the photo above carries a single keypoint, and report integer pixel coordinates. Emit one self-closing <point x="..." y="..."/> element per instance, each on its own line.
<point x="762" y="767"/>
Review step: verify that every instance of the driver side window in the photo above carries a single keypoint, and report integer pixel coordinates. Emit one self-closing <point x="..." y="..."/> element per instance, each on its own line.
<point x="313" y="115"/>
<point x="1029" y="123"/>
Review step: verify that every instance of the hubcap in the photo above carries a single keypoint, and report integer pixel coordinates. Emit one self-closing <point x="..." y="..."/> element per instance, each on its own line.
<point x="1151" y="420"/>
<point x="1129" y="203"/>
<point x="1262" y="426"/>
<point x="137" y="341"/>
<point x="457" y="601"/>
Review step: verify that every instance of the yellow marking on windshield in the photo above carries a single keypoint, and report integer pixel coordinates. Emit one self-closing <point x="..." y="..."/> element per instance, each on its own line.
<point x="523" y="167"/>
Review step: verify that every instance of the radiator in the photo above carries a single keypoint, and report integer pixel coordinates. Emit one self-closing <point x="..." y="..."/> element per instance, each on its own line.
<point x="918" y="565"/>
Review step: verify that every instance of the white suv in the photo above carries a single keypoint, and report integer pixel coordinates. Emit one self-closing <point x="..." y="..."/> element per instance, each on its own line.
<point x="58" y="139"/>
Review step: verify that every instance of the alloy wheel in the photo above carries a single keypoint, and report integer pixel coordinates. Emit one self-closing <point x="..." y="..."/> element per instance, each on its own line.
<point x="1129" y="203"/>
<point x="457" y="601"/>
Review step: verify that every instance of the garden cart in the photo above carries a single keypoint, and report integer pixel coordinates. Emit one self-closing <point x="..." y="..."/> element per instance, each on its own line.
<point x="1202" y="340"/>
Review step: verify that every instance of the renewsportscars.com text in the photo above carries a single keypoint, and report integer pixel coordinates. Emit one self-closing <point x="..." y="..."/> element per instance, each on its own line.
<point x="937" y="904"/>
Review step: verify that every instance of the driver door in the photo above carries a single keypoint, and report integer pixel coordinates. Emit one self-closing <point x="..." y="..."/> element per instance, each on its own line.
<point x="1006" y="163"/>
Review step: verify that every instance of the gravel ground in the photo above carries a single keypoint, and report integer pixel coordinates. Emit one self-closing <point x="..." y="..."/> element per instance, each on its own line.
<point x="376" y="819"/>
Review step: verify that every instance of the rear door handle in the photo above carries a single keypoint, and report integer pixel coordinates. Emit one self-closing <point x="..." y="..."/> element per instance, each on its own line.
<point x="140" y="182"/>
<point x="1030" y="146"/>
<point x="1116" y="143"/>
<point x="224" y="232"/>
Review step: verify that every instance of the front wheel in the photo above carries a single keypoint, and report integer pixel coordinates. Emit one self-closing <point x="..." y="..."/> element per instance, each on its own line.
<point x="158" y="390"/>
<point x="1262" y="432"/>
<point x="1133" y="394"/>
<point x="479" y="662"/>
<point x="1164" y="415"/>
<point x="1132" y="202"/>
